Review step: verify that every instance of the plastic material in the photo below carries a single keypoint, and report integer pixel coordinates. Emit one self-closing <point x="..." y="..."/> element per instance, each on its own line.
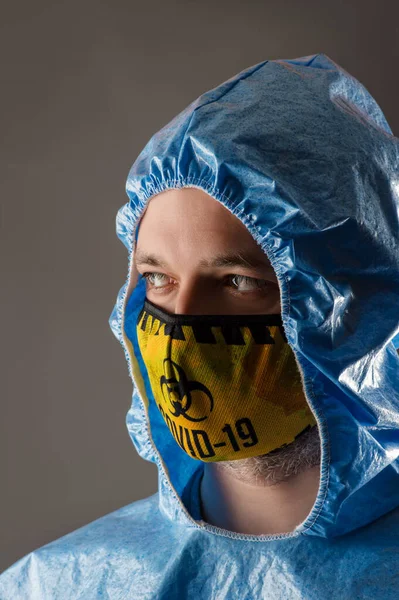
<point x="302" y="154"/>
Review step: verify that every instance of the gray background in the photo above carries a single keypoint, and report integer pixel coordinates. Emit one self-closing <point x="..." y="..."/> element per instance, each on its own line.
<point x="84" y="86"/>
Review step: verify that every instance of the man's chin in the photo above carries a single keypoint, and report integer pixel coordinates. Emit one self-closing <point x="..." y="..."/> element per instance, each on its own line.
<point x="280" y="464"/>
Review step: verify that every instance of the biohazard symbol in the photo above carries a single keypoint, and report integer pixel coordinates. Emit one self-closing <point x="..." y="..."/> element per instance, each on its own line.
<point x="179" y="389"/>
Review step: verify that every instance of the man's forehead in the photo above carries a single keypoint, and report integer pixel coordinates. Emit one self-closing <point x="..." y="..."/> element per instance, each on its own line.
<point x="189" y="205"/>
<point x="190" y="223"/>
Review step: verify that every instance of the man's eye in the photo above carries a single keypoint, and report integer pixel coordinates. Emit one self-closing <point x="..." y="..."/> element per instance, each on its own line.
<point x="240" y="283"/>
<point x="250" y="283"/>
<point x="155" y="278"/>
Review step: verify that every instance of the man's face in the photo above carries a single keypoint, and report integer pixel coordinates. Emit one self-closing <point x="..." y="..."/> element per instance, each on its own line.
<point x="198" y="258"/>
<point x="181" y="234"/>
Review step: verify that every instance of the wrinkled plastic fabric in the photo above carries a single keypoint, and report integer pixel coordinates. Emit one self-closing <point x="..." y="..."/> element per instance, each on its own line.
<point x="301" y="153"/>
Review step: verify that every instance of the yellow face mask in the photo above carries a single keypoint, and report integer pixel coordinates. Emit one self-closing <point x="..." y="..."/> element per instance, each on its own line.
<point x="227" y="386"/>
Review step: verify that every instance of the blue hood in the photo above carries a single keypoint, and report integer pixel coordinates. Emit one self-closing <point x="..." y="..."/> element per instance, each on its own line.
<point x="302" y="154"/>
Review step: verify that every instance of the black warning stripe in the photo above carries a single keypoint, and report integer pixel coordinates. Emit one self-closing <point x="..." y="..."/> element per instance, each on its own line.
<point x="203" y="333"/>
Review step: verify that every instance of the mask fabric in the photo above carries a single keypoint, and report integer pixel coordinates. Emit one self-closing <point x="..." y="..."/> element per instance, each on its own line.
<point x="227" y="386"/>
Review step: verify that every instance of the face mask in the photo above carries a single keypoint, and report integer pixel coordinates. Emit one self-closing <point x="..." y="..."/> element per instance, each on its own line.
<point x="227" y="386"/>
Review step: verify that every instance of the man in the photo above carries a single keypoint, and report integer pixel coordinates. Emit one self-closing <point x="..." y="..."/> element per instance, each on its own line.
<point x="260" y="326"/>
<point x="269" y="493"/>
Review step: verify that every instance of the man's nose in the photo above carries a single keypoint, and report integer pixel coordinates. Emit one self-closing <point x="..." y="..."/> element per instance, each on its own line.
<point x="193" y="300"/>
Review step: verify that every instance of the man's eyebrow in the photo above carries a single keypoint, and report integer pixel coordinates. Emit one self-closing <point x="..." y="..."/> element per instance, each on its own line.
<point x="231" y="259"/>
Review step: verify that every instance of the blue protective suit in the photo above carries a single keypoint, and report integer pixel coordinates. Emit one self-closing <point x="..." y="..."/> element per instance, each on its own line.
<point x="302" y="154"/>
